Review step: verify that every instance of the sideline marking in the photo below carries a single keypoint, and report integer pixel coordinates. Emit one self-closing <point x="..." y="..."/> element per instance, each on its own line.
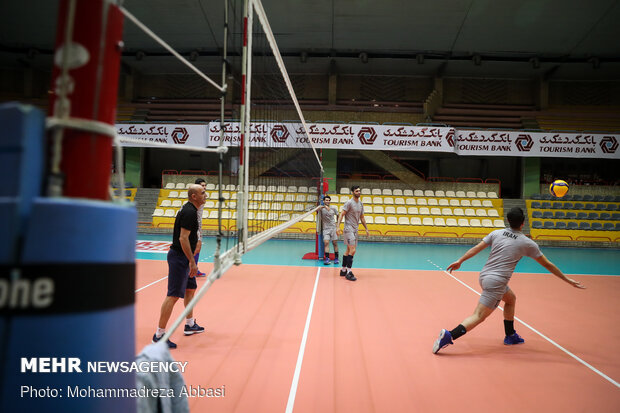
<point x="588" y="365"/>
<point x="302" y="349"/>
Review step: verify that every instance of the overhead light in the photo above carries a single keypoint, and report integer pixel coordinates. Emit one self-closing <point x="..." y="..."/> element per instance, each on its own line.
<point x="477" y="59"/>
<point x="303" y="57"/>
<point x="420" y="58"/>
<point x="364" y="57"/>
<point x="140" y="55"/>
<point x="535" y="62"/>
<point x="193" y="56"/>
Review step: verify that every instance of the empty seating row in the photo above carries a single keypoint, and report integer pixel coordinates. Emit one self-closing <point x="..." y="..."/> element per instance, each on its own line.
<point x="258" y="188"/>
<point x="584" y="198"/>
<point x="425" y="193"/>
<point x="387" y="200"/>
<point x="437" y="222"/>
<point x="576" y="205"/>
<point x="253" y="196"/>
<point x="603" y="216"/>
<point x="412" y="210"/>
<point x="571" y="225"/>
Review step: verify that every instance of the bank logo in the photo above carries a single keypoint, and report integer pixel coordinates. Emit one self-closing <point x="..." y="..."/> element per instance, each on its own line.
<point x="524" y="143"/>
<point x="367" y="135"/>
<point x="279" y="133"/>
<point x="180" y="135"/>
<point x="609" y="144"/>
<point x="450" y="138"/>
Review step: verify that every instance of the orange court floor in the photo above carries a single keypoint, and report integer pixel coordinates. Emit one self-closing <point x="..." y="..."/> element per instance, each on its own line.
<point x="283" y="338"/>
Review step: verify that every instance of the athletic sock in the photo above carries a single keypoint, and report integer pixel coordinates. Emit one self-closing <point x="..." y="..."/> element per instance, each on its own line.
<point x="458" y="331"/>
<point x="160" y="332"/>
<point x="509" y="327"/>
<point x="335" y="255"/>
<point x="327" y="255"/>
<point x="189" y="322"/>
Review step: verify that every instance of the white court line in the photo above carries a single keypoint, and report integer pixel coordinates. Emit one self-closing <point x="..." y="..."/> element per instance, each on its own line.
<point x="302" y="348"/>
<point x="154" y="282"/>
<point x="588" y="365"/>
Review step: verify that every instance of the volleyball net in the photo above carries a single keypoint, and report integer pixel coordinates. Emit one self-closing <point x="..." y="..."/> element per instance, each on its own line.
<point x="269" y="173"/>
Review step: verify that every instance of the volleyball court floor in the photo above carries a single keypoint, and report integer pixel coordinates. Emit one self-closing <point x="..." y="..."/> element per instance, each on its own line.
<point x="286" y="334"/>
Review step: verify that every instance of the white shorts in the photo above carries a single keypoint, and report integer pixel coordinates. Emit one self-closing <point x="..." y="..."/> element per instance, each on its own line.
<point x="493" y="289"/>
<point x="330" y="235"/>
<point x="350" y="238"/>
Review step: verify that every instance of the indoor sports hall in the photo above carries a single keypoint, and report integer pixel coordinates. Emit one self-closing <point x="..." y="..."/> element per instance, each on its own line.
<point x="289" y="206"/>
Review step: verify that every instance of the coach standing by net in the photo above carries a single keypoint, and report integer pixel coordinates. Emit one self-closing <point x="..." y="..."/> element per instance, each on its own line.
<point x="353" y="213"/>
<point x="182" y="266"/>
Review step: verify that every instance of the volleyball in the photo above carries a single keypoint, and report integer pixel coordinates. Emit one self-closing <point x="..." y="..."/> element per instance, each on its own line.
<point x="558" y="188"/>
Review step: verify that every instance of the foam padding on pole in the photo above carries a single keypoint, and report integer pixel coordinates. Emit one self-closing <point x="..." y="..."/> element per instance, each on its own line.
<point x="81" y="253"/>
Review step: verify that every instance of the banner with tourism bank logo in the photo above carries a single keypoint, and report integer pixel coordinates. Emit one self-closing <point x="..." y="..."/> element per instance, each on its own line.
<point x="339" y="136"/>
<point x="141" y="134"/>
<point x="547" y="144"/>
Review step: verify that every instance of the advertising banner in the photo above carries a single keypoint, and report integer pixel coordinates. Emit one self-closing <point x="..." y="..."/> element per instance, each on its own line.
<point x="172" y="134"/>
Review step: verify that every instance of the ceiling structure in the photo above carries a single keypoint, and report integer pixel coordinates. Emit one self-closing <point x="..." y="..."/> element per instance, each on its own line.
<point x="554" y="39"/>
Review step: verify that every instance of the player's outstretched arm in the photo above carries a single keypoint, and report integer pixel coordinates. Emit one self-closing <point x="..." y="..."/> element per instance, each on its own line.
<point x="544" y="261"/>
<point x="472" y="251"/>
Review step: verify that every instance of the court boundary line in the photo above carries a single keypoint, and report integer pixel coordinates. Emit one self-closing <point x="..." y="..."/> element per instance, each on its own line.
<point x="148" y="285"/>
<point x="575" y="357"/>
<point x="302" y="348"/>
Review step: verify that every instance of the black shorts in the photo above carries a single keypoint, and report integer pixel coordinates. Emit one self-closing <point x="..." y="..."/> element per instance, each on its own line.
<point x="178" y="275"/>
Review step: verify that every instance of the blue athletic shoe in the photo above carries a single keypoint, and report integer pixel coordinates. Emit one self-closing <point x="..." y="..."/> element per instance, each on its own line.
<point x="195" y="329"/>
<point x="326" y="261"/>
<point x="336" y="262"/>
<point x="513" y="339"/>
<point x="444" y="340"/>
<point x="170" y="343"/>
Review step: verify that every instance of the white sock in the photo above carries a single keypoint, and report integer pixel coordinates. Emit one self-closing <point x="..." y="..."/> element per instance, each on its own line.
<point x="189" y="322"/>
<point x="160" y="332"/>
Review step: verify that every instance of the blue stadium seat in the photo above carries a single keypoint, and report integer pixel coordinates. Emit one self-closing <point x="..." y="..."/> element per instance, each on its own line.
<point x="571" y="215"/>
<point x="560" y="225"/>
<point x="578" y="205"/>
<point x="559" y="215"/>
<point x="582" y="215"/>
<point x="601" y="207"/>
<point x="617" y="198"/>
<point x="584" y="225"/>
<point x="536" y="205"/>
<point x="618" y="226"/>
<point x="592" y="215"/>
<point x="568" y="205"/>
<point x="598" y="198"/>
<point x="547" y="215"/>
<point x="557" y="205"/>
<point x="537" y="214"/>
<point x="549" y="225"/>
<point x="568" y="197"/>
<point x="577" y="198"/>
<point x="588" y="198"/>
<point x="605" y="216"/>
<point x="608" y="226"/>
<point x="537" y="224"/>
<point x="615" y="216"/>
<point x="597" y="226"/>
<point x="546" y="197"/>
<point x="612" y="207"/>
<point x="590" y="206"/>
<point x="572" y="225"/>
<point x="609" y="198"/>
<point x="546" y="205"/>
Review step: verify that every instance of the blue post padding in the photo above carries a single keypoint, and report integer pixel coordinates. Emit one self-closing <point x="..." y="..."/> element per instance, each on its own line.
<point x="87" y="233"/>
<point x="70" y="230"/>
<point x="321" y="247"/>
<point x="22" y="133"/>
<point x="9" y="230"/>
